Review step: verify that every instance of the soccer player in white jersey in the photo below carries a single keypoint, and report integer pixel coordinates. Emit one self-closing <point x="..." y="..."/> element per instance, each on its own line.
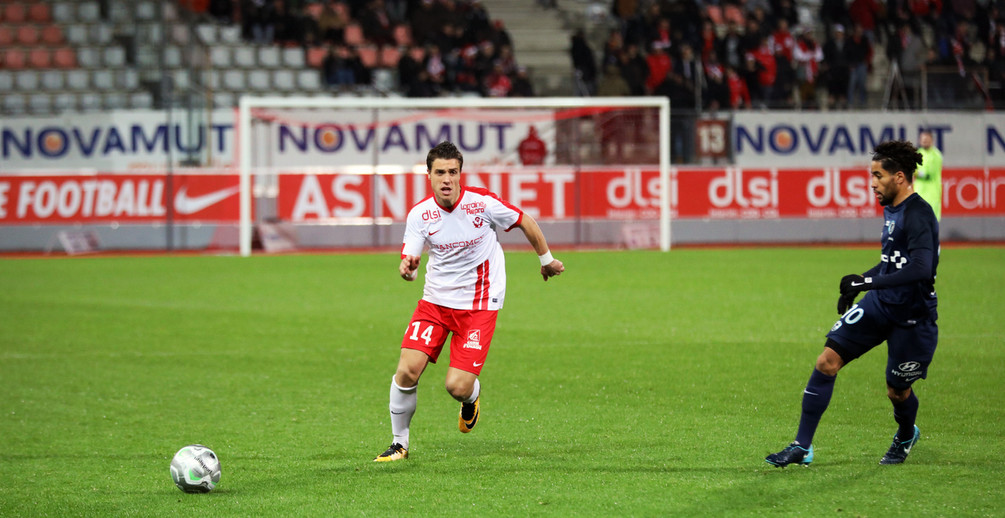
<point x="464" y="290"/>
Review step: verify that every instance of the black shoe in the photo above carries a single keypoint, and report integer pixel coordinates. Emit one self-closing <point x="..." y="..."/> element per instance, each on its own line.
<point x="898" y="451"/>
<point x="792" y="454"/>
<point x="395" y="452"/>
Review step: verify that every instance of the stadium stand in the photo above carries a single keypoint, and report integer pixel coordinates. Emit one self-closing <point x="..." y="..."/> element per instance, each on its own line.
<point x="213" y="51"/>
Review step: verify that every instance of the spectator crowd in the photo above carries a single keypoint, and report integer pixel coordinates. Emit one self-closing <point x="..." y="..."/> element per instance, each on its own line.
<point x="702" y="54"/>
<point x="736" y="54"/>
<point x="435" y="46"/>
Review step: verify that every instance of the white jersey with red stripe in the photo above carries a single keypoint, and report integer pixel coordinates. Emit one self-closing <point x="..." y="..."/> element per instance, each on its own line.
<point x="466" y="268"/>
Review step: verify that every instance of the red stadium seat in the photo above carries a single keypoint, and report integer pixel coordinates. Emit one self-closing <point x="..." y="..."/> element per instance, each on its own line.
<point x="64" y="57"/>
<point x="354" y="35"/>
<point x="6" y="36"/>
<point x="28" y="35"/>
<point x="315" y="55"/>
<point x="14" y="13"/>
<point x="40" y="57"/>
<point x="52" y="35"/>
<point x="402" y="35"/>
<point x="417" y="53"/>
<point x="389" y="57"/>
<point x="13" y="59"/>
<point x="40" y="12"/>
<point x="368" y="55"/>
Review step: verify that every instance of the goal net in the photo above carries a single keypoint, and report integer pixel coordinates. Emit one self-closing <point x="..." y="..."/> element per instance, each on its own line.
<point x="343" y="172"/>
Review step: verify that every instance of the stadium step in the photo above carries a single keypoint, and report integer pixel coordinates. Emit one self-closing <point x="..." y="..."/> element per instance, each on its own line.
<point x="540" y="43"/>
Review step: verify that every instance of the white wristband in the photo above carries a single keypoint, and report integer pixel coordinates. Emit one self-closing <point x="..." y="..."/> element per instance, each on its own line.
<point x="546" y="258"/>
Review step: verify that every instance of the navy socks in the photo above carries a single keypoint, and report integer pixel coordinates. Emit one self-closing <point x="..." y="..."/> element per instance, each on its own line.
<point x="816" y="397"/>
<point x="905" y="414"/>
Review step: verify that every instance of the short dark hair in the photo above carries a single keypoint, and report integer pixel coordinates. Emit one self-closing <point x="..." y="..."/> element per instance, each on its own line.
<point x="445" y="150"/>
<point x="898" y="155"/>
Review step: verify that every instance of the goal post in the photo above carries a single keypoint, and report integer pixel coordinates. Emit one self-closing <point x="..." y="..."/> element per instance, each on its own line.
<point x="364" y="143"/>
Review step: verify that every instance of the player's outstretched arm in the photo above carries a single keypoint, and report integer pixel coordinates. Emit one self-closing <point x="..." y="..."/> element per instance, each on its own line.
<point x="409" y="267"/>
<point x="550" y="266"/>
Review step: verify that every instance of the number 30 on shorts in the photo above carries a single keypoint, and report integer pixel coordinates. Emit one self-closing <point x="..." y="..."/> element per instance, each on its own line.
<point x="850" y="317"/>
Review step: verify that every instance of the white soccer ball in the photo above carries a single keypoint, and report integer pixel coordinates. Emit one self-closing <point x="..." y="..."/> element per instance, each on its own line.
<point x="195" y="469"/>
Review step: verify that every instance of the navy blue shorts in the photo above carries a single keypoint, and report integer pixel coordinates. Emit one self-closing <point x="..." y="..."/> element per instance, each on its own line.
<point x="910" y="348"/>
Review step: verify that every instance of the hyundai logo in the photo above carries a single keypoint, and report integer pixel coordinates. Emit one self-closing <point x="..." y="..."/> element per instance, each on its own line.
<point x="909" y="366"/>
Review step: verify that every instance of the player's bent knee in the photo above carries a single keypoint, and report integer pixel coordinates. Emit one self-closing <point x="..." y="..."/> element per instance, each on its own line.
<point x="407" y="376"/>
<point x="832" y="359"/>
<point x="459" y="388"/>
<point x="829" y="364"/>
<point x="898" y="394"/>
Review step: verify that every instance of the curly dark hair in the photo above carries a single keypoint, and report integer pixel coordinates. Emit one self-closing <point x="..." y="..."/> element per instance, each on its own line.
<point x="898" y="155"/>
<point x="445" y="150"/>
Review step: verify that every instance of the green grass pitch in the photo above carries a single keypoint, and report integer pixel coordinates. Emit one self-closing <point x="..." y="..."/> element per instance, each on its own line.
<point x="636" y="384"/>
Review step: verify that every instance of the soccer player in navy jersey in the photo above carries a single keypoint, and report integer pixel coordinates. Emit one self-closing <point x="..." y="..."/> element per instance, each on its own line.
<point x="899" y="307"/>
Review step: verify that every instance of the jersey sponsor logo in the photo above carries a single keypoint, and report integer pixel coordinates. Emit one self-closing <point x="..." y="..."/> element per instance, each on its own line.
<point x="895" y="259"/>
<point x="909" y="366"/>
<point x="474" y="340"/>
<point x="475" y="207"/>
<point x="431" y="215"/>
<point x="460" y="244"/>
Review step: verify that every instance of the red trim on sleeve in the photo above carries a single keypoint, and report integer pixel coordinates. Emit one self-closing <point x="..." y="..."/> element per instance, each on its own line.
<point x="517" y="224"/>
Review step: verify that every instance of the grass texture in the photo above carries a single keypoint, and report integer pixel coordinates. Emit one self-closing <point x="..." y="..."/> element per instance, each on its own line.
<point x="636" y="384"/>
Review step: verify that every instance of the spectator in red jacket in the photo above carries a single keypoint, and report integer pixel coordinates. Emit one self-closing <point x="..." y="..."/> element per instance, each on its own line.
<point x="782" y="41"/>
<point x="660" y="64"/>
<point x="532" y="149"/>
<point x="739" y="95"/>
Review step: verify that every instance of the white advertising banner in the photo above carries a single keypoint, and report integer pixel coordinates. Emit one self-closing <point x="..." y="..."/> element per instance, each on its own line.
<point x="138" y="140"/>
<point x="132" y="141"/>
<point x="116" y="141"/>
<point x="846" y="138"/>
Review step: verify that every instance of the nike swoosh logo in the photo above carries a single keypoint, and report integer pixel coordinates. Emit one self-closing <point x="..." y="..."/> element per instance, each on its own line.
<point x="396" y="413"/>
<point x="810" y="393"/>
<point x="855" y="284"/>
<point x="185" y="204"/>
<point x="435" y="231"/>
<point x="476" y="364"/>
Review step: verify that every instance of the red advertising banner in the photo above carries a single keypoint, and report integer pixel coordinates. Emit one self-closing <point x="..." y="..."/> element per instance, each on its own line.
<point x="117" y="198"/>
<point x="634" y="193"/>
<point x="548" y="193"/>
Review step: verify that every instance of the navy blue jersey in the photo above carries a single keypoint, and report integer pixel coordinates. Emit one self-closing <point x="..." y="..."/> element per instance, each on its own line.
<point x="904" y="279"/>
